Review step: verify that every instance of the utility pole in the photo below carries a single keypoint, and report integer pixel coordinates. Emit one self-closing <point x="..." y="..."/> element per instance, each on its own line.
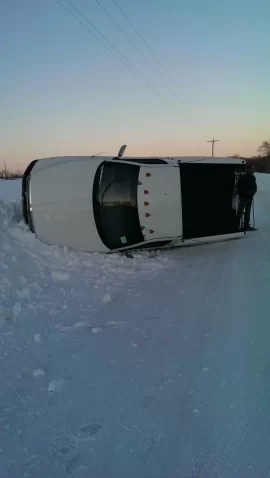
<point x="213" y="141"/>
<point x="5" y="164"/>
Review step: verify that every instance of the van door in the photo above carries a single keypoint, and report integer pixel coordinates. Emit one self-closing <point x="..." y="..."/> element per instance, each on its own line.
<point x="207" y="199"/>
<point x="159" y="202"/>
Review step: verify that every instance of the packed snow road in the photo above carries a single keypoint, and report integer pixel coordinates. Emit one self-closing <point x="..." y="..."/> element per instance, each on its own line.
<point x="156" y="366"/>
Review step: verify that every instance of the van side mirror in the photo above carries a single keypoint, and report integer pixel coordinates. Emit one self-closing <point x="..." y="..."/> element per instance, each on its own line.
<point x="122" y="150"/>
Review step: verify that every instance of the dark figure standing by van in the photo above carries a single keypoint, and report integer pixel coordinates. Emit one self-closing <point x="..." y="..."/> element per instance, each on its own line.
<point x="247" y="188"/>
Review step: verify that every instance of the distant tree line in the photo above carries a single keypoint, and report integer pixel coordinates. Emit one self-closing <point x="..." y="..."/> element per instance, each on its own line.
<point x="262" y="160"/>
<point x="5" y="174"/>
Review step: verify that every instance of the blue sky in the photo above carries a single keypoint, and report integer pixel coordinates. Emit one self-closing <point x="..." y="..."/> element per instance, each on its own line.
<point x="61" y="92"/>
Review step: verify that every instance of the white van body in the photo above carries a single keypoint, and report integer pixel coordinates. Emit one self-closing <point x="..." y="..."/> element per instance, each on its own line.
<point x="62" y="213"/>
<point x="106" y="204"/>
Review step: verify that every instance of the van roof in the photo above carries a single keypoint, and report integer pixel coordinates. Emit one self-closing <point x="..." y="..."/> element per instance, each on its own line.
<point x="176" y="159"/>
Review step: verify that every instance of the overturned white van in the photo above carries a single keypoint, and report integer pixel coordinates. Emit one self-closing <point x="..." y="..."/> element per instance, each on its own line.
<point x="109" y="204"/>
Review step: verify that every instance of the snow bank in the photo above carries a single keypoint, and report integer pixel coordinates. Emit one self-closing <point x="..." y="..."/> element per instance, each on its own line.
<point x="10" y="195"/>
<point x="10" y="190"/>
<point x="37" y="276"/>
<point x="263" y="181"/>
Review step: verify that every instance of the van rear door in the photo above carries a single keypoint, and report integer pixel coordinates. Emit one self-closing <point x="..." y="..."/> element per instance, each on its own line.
<point x="159" y="202"/>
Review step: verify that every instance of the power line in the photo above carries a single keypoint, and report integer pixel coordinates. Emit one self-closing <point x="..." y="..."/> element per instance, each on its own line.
<point x="131" y="42"/>
<point x="136" y="71"/>
<point x="112" y="49"/>
<point x="126" y="61"/>
<point x="141" y="37"/>
<point x="88" y="29"/>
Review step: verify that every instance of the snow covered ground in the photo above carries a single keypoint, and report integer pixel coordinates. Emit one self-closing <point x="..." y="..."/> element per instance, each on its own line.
<point x="156" y="366"/>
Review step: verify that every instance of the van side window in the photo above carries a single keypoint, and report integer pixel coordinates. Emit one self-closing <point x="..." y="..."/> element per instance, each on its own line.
<point x="142" y="160"/>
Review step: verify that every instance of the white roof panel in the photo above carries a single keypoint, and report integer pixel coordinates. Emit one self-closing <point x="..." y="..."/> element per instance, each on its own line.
<point x="183" y="159"/>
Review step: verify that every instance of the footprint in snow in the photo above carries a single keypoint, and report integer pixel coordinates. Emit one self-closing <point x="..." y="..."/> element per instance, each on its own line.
<point x="89" y="431"/>
<point x="54" y="390"/>
<point x="72" y="464"/>
<point x="64" y="446"/>
<point x="56" y="386"/>
<point x="81" y="472"/>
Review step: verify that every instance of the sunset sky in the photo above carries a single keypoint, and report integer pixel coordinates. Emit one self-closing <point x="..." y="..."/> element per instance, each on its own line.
<point x="63" y="93"/>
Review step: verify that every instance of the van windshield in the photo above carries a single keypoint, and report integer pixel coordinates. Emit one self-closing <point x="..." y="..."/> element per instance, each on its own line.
<point x="115" y="204"/>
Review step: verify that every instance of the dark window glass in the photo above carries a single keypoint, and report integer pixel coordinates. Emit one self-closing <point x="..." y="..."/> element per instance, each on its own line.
<point x="115" y="205"/>
<point x="142" y="160"/>
<point x="207" y="199"/>
<point x="25" y="195"/>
